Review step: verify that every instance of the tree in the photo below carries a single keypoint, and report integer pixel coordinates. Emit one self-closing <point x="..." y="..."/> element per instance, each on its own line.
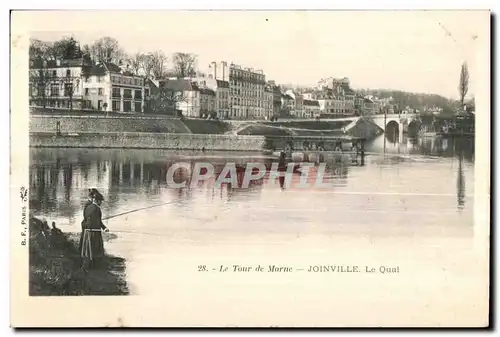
<point x="107" y="49"/>
<point x="39" y="75"/>
<point x="69" y="84"/>
<point x="135" y="62"/>
<point x="158" y="63"/>
<point x="66" y="48"/>
<point x="164" y="100"/>
<point x="184" y="64"/>
<point x="90" y="53"/>
<point x="147" y="66"/>
<point x="463" y="86"/>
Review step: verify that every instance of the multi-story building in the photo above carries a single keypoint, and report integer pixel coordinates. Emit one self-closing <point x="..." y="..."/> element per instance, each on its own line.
<point x="311" y="108"/>
<point x="184" y="94"/>
<point x="298" y="106"/>
<point x="368" y="106"/>
<point x="207" y="103"/>
<point x="246" y="89"/>
<point x="221" y="89"/>
<point x="115" y="86"/>
<point x="82" y="85"/>
<point x="223" y="100"/>
<point x="287" y="106"/>
<point x="341" y="93"/>
<point x="269" y="100"/>
<point x="56" y="84"/>
<point x="276" y="98"/>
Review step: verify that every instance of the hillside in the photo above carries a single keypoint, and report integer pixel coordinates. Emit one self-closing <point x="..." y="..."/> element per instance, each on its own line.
<point x="414" y="100"/>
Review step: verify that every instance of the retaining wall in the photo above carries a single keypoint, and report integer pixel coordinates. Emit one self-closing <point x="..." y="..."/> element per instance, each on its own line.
<point x="151" y="141"/>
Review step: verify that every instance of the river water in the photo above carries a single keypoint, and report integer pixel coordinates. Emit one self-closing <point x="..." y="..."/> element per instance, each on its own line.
<point x="410" y="207"/>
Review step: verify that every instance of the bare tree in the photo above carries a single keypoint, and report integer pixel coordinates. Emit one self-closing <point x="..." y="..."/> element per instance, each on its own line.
<point x="39" y="75"/>
<point x="90" y="52"/>
<point x="39" y="79"/>
<point x="147" y="66"/>
<point x="463" y="86"/>
<point x="184" y="64"/>
<point x="164" y="100"/>
<point x="107" y="49"/>
<point x="69" y="84"/>
<point x="135" y="62"/>
<point x="158" y="60"/>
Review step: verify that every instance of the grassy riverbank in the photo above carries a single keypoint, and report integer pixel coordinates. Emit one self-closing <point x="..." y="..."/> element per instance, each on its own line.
<point x="55" y="266"/>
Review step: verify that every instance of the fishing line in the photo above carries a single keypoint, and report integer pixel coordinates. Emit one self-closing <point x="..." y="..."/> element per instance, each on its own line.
<point x="135" y="232"/>
<point x="136" y="210"/>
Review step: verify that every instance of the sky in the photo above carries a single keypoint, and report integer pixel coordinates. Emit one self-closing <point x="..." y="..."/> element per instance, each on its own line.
<point x="417" y="51"/>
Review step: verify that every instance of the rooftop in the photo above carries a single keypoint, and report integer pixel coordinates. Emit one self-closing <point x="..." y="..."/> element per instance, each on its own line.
<point x="222" y="84"/>
<point x="311" y="102"/>
<point x="206" y="91"/>
<point x="179" y="85"/>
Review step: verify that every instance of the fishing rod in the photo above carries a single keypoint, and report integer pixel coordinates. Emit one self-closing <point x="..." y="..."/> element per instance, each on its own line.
<point x="136" y="232"/>
<point x="136" y="210"/>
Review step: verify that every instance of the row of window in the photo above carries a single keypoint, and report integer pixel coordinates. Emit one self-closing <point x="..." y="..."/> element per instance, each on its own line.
<point x="248" y="102"/>
<point x="247" y="85"/>
<point x="99" y="79"/>
<point x="127" y="80"/>
<point x="245" y="93"/>
<point x="127" y="106"/>
<point x="68" y="90"/>
<point x="246" y="75"/>
<point x="127" y="93"/>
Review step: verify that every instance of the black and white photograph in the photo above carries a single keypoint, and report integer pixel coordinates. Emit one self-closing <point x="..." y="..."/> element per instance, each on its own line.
<point x="251" y="168"/>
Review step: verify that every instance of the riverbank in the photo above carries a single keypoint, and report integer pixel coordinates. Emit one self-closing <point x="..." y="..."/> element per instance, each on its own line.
<point x="55" y="266"/>
<point x="196" y="142"/>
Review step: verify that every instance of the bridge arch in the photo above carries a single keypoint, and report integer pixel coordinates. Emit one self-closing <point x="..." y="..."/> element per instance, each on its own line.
<point x="414" y="127"/>
<point x="392" y="131"/>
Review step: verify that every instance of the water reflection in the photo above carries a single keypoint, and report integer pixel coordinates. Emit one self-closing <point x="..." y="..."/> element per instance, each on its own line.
<point x="426" y="146"/>
<point x="460" y="183"/>
<point x="59" y="179"/>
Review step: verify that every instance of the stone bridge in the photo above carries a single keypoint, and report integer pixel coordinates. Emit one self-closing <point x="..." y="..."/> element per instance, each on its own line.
<point x="397" y="123"/>
<point x="393" y="124"/>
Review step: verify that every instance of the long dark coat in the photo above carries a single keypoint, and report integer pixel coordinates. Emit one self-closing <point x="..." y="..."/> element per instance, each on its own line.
<point x="83" y="222"/>
<point x="92" y="245"/>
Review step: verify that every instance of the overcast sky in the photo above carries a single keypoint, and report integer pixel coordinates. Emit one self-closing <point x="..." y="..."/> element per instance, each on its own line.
<point x="409" y="51"/>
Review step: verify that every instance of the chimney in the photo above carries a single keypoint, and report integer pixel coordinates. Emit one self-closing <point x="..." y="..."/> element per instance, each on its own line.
<point x="224" y="66"/>
<point x="215" y="69"/>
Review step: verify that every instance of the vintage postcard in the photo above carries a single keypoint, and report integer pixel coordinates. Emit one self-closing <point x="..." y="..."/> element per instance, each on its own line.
<point x="250" y="168"/>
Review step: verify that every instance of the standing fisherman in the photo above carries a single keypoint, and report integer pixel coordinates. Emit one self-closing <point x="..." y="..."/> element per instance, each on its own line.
<point x="92" y="191"/>
<point x="92" y="245"/>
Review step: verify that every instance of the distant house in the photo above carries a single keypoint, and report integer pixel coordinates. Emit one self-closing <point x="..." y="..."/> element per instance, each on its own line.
<point x="207" y="103"/>
<point x="287" y="105"/>
<point x="311" y="109"/>
<point x="109" y="87"/>
<point x="182" y="95"/>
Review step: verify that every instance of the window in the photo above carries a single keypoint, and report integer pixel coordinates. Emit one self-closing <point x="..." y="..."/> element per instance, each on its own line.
<point x="54" y="73"/>
<point x="100" y="91"/>
<point x="138" y="95"/>
<point x="138" y="107"/>
<point x="54" y="90"/>
<point x="99" y="79"/>
<point x="68" y="89"/>
<point x="127" y="106"/>
<point x="116" y="92"/>
<point x="146" y="92"/>
<point x="127" y="93"/>
<point x="86" y="91"/>
<point x="68" y="72"/>
<point x="115" y="105"/>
